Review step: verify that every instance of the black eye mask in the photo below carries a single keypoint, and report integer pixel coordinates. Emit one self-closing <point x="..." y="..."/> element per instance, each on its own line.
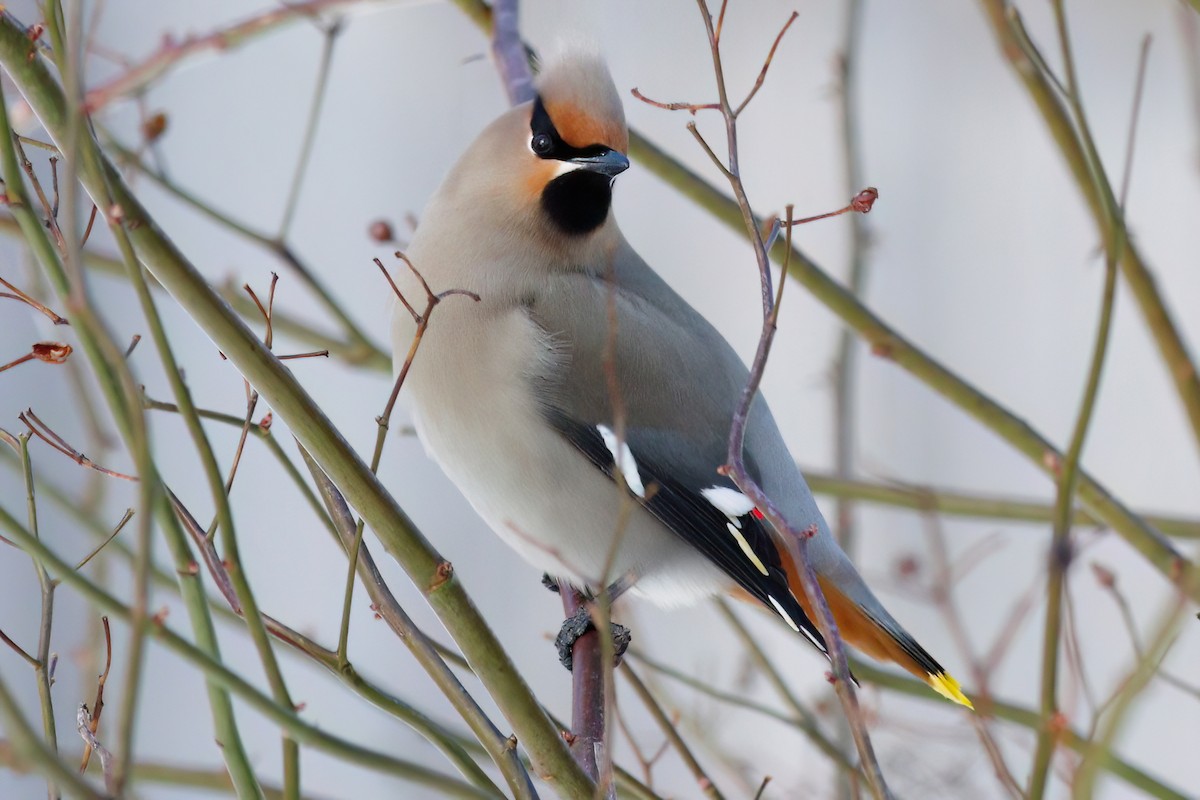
<point x="546" y="143"/>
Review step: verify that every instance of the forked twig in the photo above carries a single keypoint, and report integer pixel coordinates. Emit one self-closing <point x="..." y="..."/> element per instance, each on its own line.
<point x="796" y="541"/>
<point x="44" y="432"/>
<point x="383" y="420"/>
<point x="18" y="295"/>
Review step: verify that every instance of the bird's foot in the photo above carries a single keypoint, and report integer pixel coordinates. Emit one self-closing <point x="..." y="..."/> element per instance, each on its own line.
<point x="580" y="623"/>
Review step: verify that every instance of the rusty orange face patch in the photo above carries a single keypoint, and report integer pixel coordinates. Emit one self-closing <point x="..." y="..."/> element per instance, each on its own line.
<point x="540" y="173"/>
<point x="581" y="129"/>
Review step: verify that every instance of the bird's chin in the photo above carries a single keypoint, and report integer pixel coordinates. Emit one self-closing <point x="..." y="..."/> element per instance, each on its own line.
<point x="577" y="202"/>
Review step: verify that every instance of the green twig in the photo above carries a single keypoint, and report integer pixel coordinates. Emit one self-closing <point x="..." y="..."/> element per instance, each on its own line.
<point x="330" y="33"/>
<point x="429" y="572"/>
<point x="116" y="381"/>
<point x="229" y="681"/>
<point x="277" y="247"/>
<point x="44" y="667"/>
<point x="501" y="750"/>
<point x="1060" y="546"/>
<point x="1097" y="754"/>
<point x="1081" y="159"/>
<point x="980" y="506"/>
<point x="36" y="751"/>
<point x="668" y="728"/>
<point x="1026" y="718"/>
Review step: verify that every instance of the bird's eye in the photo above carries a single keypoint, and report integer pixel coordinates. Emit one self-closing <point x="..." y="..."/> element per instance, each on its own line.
<point x="542" y="144"/>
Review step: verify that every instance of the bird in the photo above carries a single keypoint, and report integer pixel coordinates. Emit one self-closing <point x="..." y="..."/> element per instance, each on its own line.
<point x="582" y="406"/>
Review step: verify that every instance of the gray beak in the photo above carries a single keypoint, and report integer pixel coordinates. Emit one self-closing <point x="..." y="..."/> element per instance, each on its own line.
<point x="608" y="162"/>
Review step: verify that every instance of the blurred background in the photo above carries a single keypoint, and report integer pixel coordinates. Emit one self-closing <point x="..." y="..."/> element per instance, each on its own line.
<point x="982" y="253"/>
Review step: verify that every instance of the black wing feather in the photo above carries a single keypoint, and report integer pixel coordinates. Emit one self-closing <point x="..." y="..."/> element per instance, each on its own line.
<point x="689" y="515"/>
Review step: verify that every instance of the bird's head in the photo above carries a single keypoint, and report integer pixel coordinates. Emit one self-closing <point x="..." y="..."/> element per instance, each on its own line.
<point x="552" y="161"/>
<point x="576" y="143"/>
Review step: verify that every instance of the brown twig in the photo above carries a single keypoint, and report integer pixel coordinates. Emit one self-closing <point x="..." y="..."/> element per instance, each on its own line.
<point x="313" y="354"/>
<point x="16" y="648"/>
<point x="384" y="419"/>
<point x="43" y="432"/>
<point x="645" y="762"/>
<point x="98" y="704"/>
<point x="48" y="352"/>
<point x="762" y="73"/>
<point x="588" y="717"/>
<point x="20" y="296"/>
<point x="946" y="576"/>
<point x="86" y="724"/>
<point x="137" y="78"/>
<point x="251" y="395"/>
<point x="120" y="526"/>
<point x="691" y="108"/>
<point x="795" y="540"/>
<point x="668" y="728"/>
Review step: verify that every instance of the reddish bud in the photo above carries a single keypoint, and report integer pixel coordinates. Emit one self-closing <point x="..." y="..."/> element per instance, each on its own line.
<point x="154" y="127"/>
<point x="442" y="574"/>
<point x="1104" y="576"/>
<point x="864" y="200"/>
<point x="908" y="566"/>
<point x="51" y="352"/>
<point x="381" y="231"/>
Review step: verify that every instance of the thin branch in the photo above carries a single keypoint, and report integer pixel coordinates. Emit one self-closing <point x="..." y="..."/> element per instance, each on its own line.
<point x="668" y="728"/>
<point x="43" y="432"/>
<point x="95" y="551"/>
<point x="44" y="669"/>
<point x="1015" y="45"/>
<point x="796" y="541"/>
<point x="330" y="33"/>
<point x="424" y="650"/>
<point x="228" y="680"/>
<point x="762" y="73"/>
<point x="16" y="648"/>
<point x="98" y="703"/>
<point x="86" y="724"/>
<point x="21" y="297"/>
<point x="35" y="751"/>
<point x="383" y="420"/>
<point x="948" y="502"/>
<point x="1061" y="548"/>
<point x="137" y="78"/>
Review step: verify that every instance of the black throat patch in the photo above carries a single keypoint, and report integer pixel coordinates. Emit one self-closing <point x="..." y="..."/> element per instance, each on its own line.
<point x="578" y="201"/>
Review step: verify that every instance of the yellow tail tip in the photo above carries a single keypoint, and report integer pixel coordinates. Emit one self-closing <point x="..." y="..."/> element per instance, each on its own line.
<point x="945" y="685"/>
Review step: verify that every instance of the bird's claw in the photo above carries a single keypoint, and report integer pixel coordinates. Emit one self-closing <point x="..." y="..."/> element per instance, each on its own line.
<point x="580" y="623"/>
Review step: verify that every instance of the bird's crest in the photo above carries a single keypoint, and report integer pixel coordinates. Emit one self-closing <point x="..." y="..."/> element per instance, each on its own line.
<point x="581" y="99"/>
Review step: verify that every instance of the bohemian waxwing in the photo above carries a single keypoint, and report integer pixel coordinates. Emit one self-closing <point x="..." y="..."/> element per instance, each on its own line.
<point x="511" y="394"/>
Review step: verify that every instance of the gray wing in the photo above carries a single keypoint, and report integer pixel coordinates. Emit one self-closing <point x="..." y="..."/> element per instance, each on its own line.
<point x="677" y="383"/>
